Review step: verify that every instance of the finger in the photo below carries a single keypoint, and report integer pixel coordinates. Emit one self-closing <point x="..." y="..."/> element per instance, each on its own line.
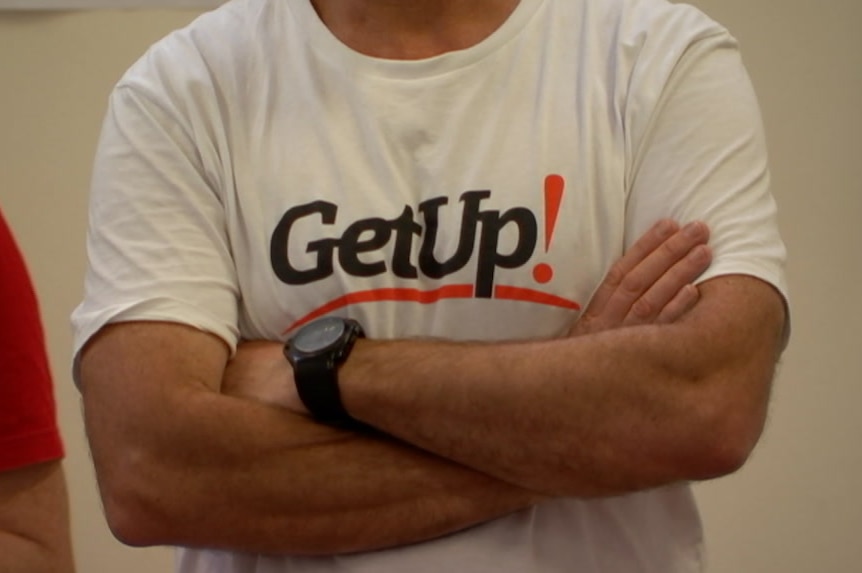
<point x="683" y="302"/>
<point x="650" y="271"/>
<point x="666" y="288"/>
<point x="643" y="247"/>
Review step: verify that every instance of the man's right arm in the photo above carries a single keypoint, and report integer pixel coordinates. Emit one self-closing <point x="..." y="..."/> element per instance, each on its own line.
<point x="180" y="463"/>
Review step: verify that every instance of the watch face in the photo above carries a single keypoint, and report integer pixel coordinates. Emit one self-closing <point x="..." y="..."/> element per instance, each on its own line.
<point x="318" y="335"/>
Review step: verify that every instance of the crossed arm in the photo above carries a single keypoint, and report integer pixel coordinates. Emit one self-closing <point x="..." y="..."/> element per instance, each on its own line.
<point x="658" y="383"/>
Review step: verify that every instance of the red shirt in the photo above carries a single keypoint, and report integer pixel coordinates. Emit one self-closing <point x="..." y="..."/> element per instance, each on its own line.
<point x="28" y="423"/>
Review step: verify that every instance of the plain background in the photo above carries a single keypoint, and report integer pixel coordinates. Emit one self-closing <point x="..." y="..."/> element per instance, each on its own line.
<point x="795" y="508"/>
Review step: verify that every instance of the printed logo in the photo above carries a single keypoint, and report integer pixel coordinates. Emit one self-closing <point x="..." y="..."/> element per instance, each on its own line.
<point x="479" y="238"/>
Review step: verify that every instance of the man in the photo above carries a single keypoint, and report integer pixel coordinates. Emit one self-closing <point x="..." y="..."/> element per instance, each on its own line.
<point x="455" y="178"/>
<point x="34" y="505"/>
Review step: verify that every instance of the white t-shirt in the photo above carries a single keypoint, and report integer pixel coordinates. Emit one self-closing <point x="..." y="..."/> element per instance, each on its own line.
<point x="254" y="173"/>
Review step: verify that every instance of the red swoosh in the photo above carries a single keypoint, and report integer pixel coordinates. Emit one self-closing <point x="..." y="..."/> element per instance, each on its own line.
<point x="432" y="296"/>
<point x="381" y="294"/>
<point x="530" y="295"/>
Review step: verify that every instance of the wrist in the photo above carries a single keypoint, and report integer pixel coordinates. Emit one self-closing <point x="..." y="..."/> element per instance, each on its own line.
<point x="317" y="353"/>
<point x="354" y="372"/>
<point x="259" y="372"/>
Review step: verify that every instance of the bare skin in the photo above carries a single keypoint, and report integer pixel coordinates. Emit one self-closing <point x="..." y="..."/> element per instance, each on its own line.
<point x="660" y="401"/>
<point x="34" y="520"/>
<point x="625" y="410"/>
<point x="399" y="30"/>
<point x="191" y="449"/>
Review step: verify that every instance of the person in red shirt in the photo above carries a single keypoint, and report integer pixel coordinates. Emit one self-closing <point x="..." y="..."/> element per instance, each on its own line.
<point x="34" y="506"/>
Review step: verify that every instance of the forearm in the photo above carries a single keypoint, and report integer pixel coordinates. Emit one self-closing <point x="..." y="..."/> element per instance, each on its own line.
<point x="623" y="410"/>
<point x="231" y="473"/>
<point x="530" y="413"/>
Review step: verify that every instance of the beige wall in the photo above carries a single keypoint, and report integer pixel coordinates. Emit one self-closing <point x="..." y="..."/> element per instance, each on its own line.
<point x="56" y="70"/>
<point x="796" y="508"/>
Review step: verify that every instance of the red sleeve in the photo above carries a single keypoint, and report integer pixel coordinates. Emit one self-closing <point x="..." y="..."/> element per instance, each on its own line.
<point x="28" y="423"/>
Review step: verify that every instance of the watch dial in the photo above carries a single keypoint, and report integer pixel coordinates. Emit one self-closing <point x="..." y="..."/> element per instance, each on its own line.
<point x="319" y="334"/>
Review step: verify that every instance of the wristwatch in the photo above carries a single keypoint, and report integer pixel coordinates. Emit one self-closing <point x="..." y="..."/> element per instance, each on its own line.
<point x="315" y="352"/>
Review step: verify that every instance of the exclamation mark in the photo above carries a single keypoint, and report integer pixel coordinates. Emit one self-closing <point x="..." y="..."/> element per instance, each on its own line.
<point x="554" y="187"/>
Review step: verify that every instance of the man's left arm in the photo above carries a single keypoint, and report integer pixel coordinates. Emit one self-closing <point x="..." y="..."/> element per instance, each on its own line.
<point x="641" y="406"/>
<point x="622" y="410"/>
<point x="620" y="405"/>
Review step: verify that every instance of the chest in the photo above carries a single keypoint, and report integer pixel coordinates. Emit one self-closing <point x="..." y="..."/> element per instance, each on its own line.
<point x="472" y="208"/>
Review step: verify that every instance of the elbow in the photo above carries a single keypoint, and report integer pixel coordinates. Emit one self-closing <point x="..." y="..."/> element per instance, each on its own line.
<point x="727" y="430"/>
<point x="132" y="505"/>
<point x="721" y="455"/>
<point x="127" y="521"/>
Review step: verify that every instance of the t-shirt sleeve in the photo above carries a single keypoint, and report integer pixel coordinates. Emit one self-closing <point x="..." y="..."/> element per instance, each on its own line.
<point x="697" y="149"/>
<point x="28" y="421"/>
<point x="157" y="244"/>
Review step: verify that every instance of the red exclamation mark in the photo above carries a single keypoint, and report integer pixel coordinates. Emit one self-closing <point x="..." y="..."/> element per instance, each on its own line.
<point x="554" y="187"/>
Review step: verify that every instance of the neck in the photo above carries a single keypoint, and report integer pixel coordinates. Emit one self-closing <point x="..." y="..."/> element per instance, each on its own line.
<point x="412" y="29"/>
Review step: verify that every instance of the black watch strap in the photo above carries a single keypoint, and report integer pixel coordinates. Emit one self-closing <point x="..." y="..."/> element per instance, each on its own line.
<point x="316" y="356"/>
<point x="317" y="385"/>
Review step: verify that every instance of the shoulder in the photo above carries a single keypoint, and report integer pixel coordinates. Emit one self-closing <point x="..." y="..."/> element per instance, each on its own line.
<point x="630" y="45"/>
<point x="217" y="51"/>
<point x="635" y="21"/>
<point x="627" y="32"/>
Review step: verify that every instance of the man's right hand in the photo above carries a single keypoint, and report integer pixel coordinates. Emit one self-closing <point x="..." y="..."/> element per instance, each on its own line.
<point x="652" y="282"/>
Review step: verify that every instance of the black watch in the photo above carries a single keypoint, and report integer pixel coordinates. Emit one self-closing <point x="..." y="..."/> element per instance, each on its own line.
<point x="315" y="352"/>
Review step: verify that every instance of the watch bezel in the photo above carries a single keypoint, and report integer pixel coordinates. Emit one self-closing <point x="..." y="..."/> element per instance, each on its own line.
<point x="297" y="340"/>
